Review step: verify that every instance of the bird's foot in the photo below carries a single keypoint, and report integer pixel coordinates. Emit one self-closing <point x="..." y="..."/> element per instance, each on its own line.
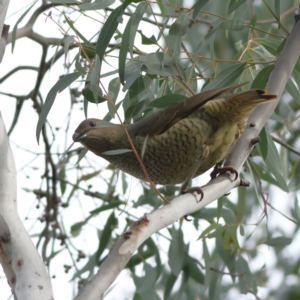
<point x="192" y="190"/>
<point x="221" y="170"/>
<point x="186" y="217"/>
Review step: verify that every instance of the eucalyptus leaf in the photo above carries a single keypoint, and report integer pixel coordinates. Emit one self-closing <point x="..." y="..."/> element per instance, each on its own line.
<point x="227" y="76"/>
<point x="61" y="84"/>
<point x="116" y="152"/>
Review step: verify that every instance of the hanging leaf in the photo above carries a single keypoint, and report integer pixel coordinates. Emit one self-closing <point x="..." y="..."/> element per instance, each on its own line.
<point x="61" y="84"/>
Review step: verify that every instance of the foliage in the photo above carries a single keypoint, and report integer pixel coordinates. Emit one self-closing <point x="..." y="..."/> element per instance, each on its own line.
<point x="136" y="55"/>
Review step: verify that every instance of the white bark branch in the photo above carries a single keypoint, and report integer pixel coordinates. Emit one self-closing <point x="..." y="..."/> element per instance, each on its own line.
<point x="186" y="204"/>
<point x="3" y="40"/>
<point x="24" y="269"/>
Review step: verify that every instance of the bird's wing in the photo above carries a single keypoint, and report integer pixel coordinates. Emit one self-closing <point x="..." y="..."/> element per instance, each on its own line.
<point x="160" y="121"/>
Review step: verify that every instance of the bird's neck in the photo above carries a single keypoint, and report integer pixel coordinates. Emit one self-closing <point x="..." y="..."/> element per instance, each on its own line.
<point x="100" y="141"/>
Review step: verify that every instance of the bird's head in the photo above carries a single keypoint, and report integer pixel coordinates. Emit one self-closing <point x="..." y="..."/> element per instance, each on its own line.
<point x="98" y="135"/>
<point x="90" y="127"/>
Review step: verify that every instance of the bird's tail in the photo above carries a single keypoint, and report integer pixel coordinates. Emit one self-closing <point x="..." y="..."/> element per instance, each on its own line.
<point x="238" y="107"/>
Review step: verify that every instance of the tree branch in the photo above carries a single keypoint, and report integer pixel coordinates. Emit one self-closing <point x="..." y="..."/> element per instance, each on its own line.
<point x="24" y="269"/>
<point x="3" y="28"/>
<point x="186" y="204"/>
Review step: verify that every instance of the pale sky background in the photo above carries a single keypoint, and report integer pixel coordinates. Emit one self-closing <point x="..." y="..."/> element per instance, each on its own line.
<point x="28" y="52"/>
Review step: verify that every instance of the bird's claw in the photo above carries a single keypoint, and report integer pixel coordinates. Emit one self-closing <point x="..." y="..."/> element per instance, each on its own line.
<point x="221" y="170"/>
<point x="187" y="219"/>
<point x="192" y="190"/>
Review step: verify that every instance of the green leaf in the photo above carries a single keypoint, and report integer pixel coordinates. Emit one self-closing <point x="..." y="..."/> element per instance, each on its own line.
<point x="146" y="40"/>
<point x="107" y="32"/>
<point x="108" y="116"/>
<point x="177" y="31"/>
<point x="82" y="155"/>
<point x="261" y="78"/>
<point x="234" y="5"/>
<point x="68" y="40"/>
<point x="63" y="1"/>
<point x="232" y="24"/>
<point x="293" y="90"/>
<point x="176" y="251"/>
<point x="124" y="183"/>
<point x="104" y="207"/>
<point x="280" y="241"/>
<point x="191" y="78"/>
<point x="96" y="5"/>
<point x="127" y="2"/>
<point x="167" y="100"/>
<point x="256" y="188"/>
<point x="198" y="6"/>
<point x="241" y="205"/>
<point x="132" y="72"/>
<point x="209" y="213"/>
<point x="214" y="286"/>
<point x="71" y="24"/>
<point x="147" y="282"/>
<point x="89" y="96"/>
<point x="123" y="51"/>
<point x="247" y="280"/>
<point x="220" y="207"/>
<point x="144" y="146"/>
<point x="113" y="92"/>
<point x="78" y="66"/>
<point x="280" y="47"/>
<point x="169" y="284"/>
<point x="207" y="260"/>
<point x="159" y="64"/>
<point x="14" y="31"/>
<point x="136" y="19"/>
<point x="116" y="152"/>
<point x="242" y="230"/>
<point x="227" y="76"/>
<point x="227" y="255"/>
<point x="211" y="228"/>
<point x="89" y="176"/>
<point x="128" y="37"/>
<point x="61" y="84"/>
<point x="273" y="162"/>
<point x="137" y="99"/>
<point x="263" y="143"/>
<point x="94" y="87"/>
<point x="76" y="228"/>
<point x="106" y="235"/>
<point x="277" y="9"/>
<point x="296" y="208"/>
<point x="253" y="22"/>
<point x="271" y="45"/>
<point x="62" y="176"/>
<point x="191" y="269"/>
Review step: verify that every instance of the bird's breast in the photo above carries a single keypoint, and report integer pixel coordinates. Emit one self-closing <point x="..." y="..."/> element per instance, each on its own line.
<point x="168" y="157"/>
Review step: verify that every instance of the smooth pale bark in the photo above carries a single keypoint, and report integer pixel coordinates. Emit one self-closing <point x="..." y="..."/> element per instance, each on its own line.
<point x="25" y="271"/>
<point x="3" y="10"/>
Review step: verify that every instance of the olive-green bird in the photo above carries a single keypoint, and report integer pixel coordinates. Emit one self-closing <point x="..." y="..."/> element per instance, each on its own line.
<point x="181" y="141"/>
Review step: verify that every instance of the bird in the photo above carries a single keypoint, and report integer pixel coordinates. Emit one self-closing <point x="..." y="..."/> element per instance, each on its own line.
<point x="179" y="142"/>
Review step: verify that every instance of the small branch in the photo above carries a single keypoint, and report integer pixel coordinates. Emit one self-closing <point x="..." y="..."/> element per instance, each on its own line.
<point x="19" y="68"/>
<point x="282" y="16"/>
<point x="287" y="146"/>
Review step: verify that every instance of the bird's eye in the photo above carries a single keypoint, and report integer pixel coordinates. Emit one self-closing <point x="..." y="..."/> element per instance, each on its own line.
<point x="93" y="124"/>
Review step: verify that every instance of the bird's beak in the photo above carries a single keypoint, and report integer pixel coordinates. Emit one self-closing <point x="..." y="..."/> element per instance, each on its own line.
<point x="77" y="137"/>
